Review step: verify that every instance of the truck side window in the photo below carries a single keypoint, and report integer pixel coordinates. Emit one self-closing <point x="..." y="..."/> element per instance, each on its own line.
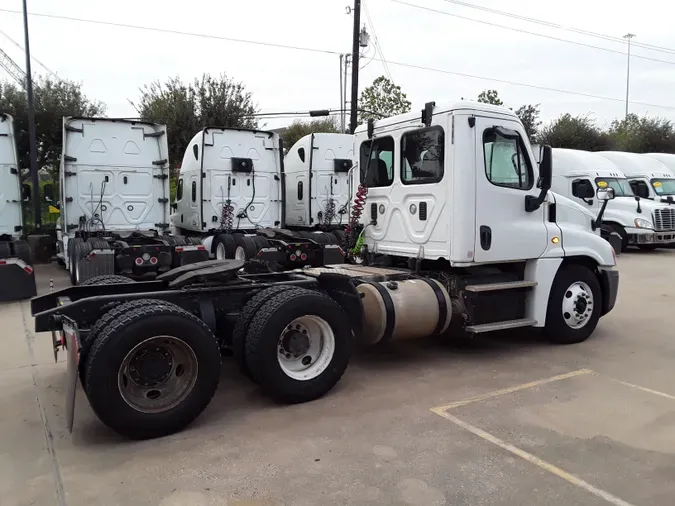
<point x="377" y="162"/>
<point x="194" y="191"/>
<point x="301" y="154"/>
<point x="422" y="156"/>
<point x="195" y="150"/>
<point x="506" y="161"/>
<point x="179" y="191"/>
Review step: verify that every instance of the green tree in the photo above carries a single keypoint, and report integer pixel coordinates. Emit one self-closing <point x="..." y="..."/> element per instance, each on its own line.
<point x="643" y="135"/>
<point x="298" y="129"/>
<point x="490" y="97"/>
<point x="187" y="108"/>
<point x="382" y="99"/>
<point x="574" y="132"/>
<point x="54" y="99"/>
<point x="529" y="117"/>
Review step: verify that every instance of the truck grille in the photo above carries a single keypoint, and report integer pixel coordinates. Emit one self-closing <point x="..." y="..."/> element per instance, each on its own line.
<point x="664" y="219"/>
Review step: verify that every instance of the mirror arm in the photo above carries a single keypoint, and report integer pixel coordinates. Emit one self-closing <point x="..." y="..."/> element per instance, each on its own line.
<point x="598" y="221"/>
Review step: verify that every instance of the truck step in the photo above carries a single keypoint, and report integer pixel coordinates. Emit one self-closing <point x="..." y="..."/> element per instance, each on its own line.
<point x="507" y="285"/>
<point x="509" y="324"/>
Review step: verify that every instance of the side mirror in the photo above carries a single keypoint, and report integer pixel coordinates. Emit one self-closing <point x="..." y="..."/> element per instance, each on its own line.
<point x="546" y="168"/>
<point x="582" y="189"/>
<point x="48" y="192"/>
<point x="642" y="191"/>
<point x="606" y="194"/>
<point x="26" y="192"/>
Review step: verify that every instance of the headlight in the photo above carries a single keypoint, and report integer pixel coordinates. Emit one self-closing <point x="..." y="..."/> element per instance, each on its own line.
<point x="640" y="223"/>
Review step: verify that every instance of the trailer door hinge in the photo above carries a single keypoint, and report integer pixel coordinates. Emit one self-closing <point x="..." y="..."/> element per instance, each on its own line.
<point x="69" y="158"/>
<point x="161" y="176"/>
<point x="276" y="177"/>
<point x="73" y="129"/>
<point x="154" y="134"/>
<point x="162" y="200"/>
<point x="13" y="171"/>
<point x="160" y="162"/>
<point x="68" y="173"/>
<point x="69" y="199"/>
<point x="18" y="228"/>
<point x="162" y="225"/>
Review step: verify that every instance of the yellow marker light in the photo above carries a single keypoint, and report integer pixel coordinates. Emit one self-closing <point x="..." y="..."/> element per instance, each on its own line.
<point x="555" y="240"/>
<point x="657" y="184"/>
<point x="602" y="184"/>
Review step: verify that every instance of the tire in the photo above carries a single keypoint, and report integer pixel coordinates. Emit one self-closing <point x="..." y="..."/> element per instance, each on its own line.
<point x="96" y="243"/>
<point x="263" y="341"/>
<point x="108" y="370"/>
<point x="74" y="251"/>
<point x="22" y="251"/>
<point x="107" y="279"/>
<point x="566" y="287"/>
<point x="622" y="232"/>
<point x="246" y="247"/>
<point x="260" y="242"/>
<point x="227" y="246"/>
<point x="340" y="236"/>
<point x="247" y="314"/>
<point x="5" y="249"/>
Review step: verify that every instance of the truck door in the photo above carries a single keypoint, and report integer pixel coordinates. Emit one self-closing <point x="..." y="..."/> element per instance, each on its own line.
<point x="505" y="175"/>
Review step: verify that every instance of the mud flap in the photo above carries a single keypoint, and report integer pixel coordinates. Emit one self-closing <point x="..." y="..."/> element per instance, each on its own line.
<point x="72" y="342"/>
<point x="99" y="262"/>
<point x="17" y="280"/>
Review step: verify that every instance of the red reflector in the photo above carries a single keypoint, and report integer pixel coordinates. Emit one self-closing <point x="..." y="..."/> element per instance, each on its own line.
<point x="179" y="249"/>
<point x="153" y="260"/>
<point x="28" y="269"/>
<point x="3" y="262"/>
<point x="260" y="253"/>
<point x="139" y="261"/>
<point x="303" y="257"/>
<point x="293" y="258"/>
<point x="201" y="248"/>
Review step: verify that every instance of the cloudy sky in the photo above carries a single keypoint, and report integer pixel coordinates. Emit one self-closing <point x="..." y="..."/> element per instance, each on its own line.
<point x="112" y="62"/>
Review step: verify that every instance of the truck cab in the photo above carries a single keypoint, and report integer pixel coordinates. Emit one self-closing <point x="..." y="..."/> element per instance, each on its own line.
<point x="454" y="191"/>
<point x="663" y="184"/>
<point x="649" y="177"/>
<point x="638" y="221"/>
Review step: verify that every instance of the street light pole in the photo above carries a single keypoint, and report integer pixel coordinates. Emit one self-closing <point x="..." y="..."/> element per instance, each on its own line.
<point x="37" y="214"/>
<point x="628" y="37"/>
<point x="355" y="65"/>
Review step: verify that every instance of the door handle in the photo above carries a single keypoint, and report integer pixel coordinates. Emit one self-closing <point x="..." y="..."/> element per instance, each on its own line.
<point x="485" y="237"/>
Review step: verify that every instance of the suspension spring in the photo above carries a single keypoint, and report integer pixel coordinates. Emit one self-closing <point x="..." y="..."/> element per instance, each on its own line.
<point x="227" y="216"/>
<point x="357" y="210"/>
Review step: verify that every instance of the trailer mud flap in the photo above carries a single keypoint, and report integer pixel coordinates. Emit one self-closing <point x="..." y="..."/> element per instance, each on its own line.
<point x="17" y="280"/>
<point x="98" y="262"/>
<point x="72" y="342"/>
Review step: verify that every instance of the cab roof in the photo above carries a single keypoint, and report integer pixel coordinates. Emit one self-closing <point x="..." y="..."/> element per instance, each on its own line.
<point x="576" y="162"/>
<point x="636" y="165"/>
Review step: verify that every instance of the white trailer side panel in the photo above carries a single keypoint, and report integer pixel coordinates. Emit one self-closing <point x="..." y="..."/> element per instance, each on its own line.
<point x="10" y="189"/>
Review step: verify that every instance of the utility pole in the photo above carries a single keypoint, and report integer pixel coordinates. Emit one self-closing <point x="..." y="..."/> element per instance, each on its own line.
<point x="37" y="214"/>
<point x="628" y="36"/>
<point x="355" y="64"/>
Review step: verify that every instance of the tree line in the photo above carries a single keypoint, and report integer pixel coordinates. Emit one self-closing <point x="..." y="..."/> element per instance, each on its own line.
<point x="185" y="107"/>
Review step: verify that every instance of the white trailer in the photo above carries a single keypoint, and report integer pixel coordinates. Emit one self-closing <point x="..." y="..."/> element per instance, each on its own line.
<point x="236" y="195"/>
<point x="17" y="279"/>
<point x="114" y="182"/>
<point x="639" y="222"/>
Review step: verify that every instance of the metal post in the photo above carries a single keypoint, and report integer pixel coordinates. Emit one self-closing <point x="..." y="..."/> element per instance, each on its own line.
<point x="342" y="112"/>
<point x="355" y="65"/>
<point x="37" y="214"/>
<point x="628" y="36"/>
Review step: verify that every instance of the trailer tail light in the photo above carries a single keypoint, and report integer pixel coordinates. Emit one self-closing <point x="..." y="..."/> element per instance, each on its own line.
<point x="153" y="260"/>
<point x="138" y="261"/>
<point x="201" y="248"/>
<point x="179" y="249"/>
<point x="3" y="262"/>
<point x="28" y="269"/>
<point x="303" y="257"/>
<point x="293" y="258"/>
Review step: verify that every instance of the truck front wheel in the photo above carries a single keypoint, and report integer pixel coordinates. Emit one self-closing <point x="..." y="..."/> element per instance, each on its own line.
<point x="152" y="371"/>
<point x="574" y="305"/>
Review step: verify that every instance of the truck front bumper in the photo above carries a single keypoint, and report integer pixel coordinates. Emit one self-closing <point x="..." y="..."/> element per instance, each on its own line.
<point x="638" y="236"/>
<point x="609" y="279"/>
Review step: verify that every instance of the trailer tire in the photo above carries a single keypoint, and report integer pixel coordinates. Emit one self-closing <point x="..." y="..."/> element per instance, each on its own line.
<point x="574" y="305"/>
<point x="327" y="335"/>
<point x="171" y="335"/>
<point x="22" y="251"/>
<point x="224" y="247"/>
<point x="246" y="247"/>
<point x="247" y="314"/>
<point x="5" y="249"/>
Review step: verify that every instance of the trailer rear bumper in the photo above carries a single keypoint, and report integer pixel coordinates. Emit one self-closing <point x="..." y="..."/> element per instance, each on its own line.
<point x="17" y="280"/>
<point x="143" y="259"/>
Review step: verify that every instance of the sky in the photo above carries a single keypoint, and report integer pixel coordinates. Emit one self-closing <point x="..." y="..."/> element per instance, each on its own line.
<point x="113" y="62"/>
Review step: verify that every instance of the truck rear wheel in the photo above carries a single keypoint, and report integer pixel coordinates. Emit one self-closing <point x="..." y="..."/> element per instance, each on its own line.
<point x="298" y="345"/>
<point x="574" y="305"/>
<point x="247" y="314"/>
<point x="246" y="247"/>
<point x="224" y="246"/>
<point x="153" y="370"/>
<point x="5" y="249"/>
<point x="22" y="251"/>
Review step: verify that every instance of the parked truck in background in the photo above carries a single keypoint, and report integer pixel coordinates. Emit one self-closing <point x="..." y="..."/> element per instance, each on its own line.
<point x="646" y="174"/>
<point x="639" y="222"/>
<point x="235" y="195"/>
<point x="17" y="279"/>
<point x="114" y="181"/>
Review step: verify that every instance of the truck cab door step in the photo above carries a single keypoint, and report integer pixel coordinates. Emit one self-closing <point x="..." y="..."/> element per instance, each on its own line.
<point x="508" y="324"/>
<point x="507" y="285"/>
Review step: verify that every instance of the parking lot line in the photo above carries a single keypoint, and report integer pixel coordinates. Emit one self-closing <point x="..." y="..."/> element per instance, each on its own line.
<point x="546" y="466"/>
<point x="510" y="390"/>
<point x="637" y="387"/>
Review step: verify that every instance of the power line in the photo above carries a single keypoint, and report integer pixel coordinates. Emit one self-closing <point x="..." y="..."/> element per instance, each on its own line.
<point x="520" y="30"/>
<point x="559" y="27"/>
<point x="389" y="62"/>
<point x="377" y="42"/>
<point x="175" y="32"/>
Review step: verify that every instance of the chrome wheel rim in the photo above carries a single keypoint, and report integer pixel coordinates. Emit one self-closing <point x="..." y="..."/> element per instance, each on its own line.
<point x="239" y="253"/>
<point x="577" y="305"/>
<point x="220" y="251"/>
<point x="157" y="374"/>
<point x="306" y="348"/>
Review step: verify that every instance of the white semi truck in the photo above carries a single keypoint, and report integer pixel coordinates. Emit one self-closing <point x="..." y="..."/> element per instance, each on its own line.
<point x="17" y="279"/>
<point x="662" y="183"/>
<point x="639" y="222"/>
<point x="646" y="174"/>
<point x="460" y="233"/>
<point x="242" y="198"/>
<point x="114" y="182"/>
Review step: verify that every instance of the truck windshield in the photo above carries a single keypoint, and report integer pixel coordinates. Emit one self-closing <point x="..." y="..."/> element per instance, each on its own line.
<point x="621" y="187"/>
<point x="664" y="186"/>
